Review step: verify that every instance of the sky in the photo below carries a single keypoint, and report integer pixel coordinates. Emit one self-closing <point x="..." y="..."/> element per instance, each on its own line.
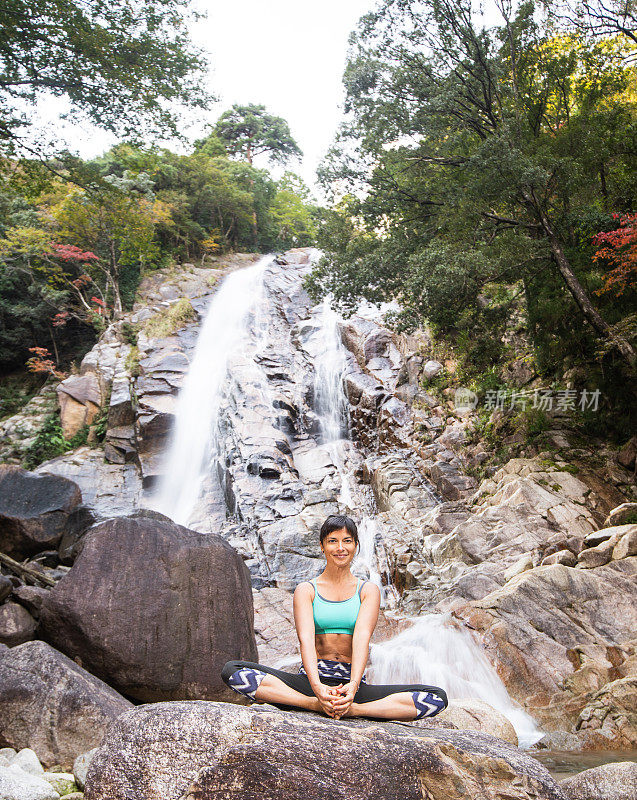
<point x="288" y="55"/>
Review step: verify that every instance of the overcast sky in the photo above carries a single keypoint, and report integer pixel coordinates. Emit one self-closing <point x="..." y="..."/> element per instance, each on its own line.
<point x="288" y="55"/>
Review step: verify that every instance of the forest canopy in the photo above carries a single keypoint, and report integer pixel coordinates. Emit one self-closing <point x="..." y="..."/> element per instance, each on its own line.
<point x="484" y="168"/>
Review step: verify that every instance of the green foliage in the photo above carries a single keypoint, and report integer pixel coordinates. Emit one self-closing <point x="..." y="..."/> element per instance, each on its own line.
<point x="249" y="131"/>
<point x="171" y="319"/>
<point x="128" y="67"/>
<point x="473" y="169"/>
<point x="129" y="333"/>
<point x="50" y="442"/>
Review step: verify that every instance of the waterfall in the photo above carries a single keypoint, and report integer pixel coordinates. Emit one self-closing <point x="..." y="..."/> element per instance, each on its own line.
<point x="332" y="408"/>
<point x="438" y="651"/>
<point x="193" y="441"/>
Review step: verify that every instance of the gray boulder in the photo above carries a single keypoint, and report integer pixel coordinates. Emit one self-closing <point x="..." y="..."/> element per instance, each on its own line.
<point x="153" y="608"/>
<point x="188" y="750"/>
<point x="16" y="625"/>
<point x="15" y="784"/>
<point x="34" y="510"/>
<point x="52" y="705"/>
<point x="608" y="782"/>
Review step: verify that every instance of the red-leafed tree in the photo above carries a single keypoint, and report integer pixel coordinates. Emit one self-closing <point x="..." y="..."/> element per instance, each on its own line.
<point x="618" y="249"/>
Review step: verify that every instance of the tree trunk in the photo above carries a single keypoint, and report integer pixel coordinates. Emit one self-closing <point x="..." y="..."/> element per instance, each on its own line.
<point x="577" y="290"/>
<point x="117" y="300"/>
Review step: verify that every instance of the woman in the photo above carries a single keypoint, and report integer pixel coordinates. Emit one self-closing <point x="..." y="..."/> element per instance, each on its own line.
<point x="335" y="616"/>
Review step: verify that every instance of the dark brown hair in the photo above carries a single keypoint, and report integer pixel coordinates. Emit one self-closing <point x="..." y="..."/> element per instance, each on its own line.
<point x="335" y="523"/>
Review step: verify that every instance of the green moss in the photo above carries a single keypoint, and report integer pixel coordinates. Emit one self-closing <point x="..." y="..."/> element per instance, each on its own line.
<point x="170" y="319"/>
<point x="132" y="362"/>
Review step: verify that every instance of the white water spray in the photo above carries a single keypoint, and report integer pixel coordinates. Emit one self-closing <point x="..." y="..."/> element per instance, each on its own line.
<point x="441" y="652"/>
<point x="193" y="439"/>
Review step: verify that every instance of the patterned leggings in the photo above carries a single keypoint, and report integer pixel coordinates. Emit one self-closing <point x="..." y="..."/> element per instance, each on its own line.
<point x="245" y="677"/>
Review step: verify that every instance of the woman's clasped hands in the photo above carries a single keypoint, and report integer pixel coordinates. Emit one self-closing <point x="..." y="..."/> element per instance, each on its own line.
<point x="336" y="700"/>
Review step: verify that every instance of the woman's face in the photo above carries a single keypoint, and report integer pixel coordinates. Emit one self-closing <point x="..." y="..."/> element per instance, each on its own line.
<point x="339" y="547"/>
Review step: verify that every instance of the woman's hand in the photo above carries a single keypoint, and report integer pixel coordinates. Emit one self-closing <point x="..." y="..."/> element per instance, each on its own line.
<point x="345" y="698"/>
<point x="326" y="696"/>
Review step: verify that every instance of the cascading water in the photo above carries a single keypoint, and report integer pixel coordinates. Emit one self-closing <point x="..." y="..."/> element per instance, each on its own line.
<point x="332" y="409"/>
<point x="437" y="650"/>
<point x="193" y="439"/>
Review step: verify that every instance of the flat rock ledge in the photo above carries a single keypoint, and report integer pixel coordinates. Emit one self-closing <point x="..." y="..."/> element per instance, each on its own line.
<point x="187" y="750"/>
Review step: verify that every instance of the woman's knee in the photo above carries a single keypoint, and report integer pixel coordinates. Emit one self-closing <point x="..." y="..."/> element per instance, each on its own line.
<point x="230" y="667"/>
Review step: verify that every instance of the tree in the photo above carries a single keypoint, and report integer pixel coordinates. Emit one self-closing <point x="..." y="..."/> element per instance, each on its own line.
<point x="291" y="214"/>
<point x="249" y="131"/>
<point x="118" y="224"/>
<point x="473" y="155"/>
<point x="125" y="66"/>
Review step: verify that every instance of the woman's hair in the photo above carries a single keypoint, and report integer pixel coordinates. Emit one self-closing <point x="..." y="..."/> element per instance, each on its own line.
<point x="335" y="523"/>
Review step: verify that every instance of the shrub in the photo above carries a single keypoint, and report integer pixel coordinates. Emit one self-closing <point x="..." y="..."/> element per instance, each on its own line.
<point x="169" y="320"/>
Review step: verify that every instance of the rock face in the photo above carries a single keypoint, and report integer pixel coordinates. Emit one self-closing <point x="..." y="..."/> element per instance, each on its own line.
<point x="52" y="705"/>
<point x="154" y="609"/>
<point x="609" y="720"/>
<point x="35" y="510"/>
<point x="608" y="782"/>
<point x="182" y="750"/>
<point x="80" y="399"/>
<point x="558" y="634"/>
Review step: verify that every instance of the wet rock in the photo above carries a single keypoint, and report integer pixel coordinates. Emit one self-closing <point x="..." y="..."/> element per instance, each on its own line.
<point x="16" y="625"/>
<point x="52" y="705"/>
<point x="616" y="781"/>
<point x="188" y="750"/>
<point x="185" y="626"/>
<point x="34" y="510"/>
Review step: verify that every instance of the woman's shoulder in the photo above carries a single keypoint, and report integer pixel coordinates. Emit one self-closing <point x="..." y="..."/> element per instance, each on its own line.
<point x="305" y="587"/>
<point x="369" y="588"/>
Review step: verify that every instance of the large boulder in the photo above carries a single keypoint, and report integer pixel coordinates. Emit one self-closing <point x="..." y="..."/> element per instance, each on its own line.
<point x="609" y="782"/>
<point x="153" y="608"/>
<point x="189" y="750"/>
<point x="35" y="510"/>
<point x="80" y="398"/>
<point x="609" y="719"/>
<point x="52" y="705"/>
<point x="557" y="635"/>
<point x="476" y="715"/>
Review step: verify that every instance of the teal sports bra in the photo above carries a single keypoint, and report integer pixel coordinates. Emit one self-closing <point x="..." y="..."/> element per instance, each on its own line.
<point x="336" y="616"/>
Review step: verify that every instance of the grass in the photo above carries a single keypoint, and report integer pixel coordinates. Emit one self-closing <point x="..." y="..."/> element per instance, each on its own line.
<point x="50" y="442"/>
<point x="169" y="320"/>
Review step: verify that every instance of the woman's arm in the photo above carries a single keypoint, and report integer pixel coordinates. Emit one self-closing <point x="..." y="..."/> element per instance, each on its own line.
<point x="304" y="622"/>
<point x="365" y="624"/>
